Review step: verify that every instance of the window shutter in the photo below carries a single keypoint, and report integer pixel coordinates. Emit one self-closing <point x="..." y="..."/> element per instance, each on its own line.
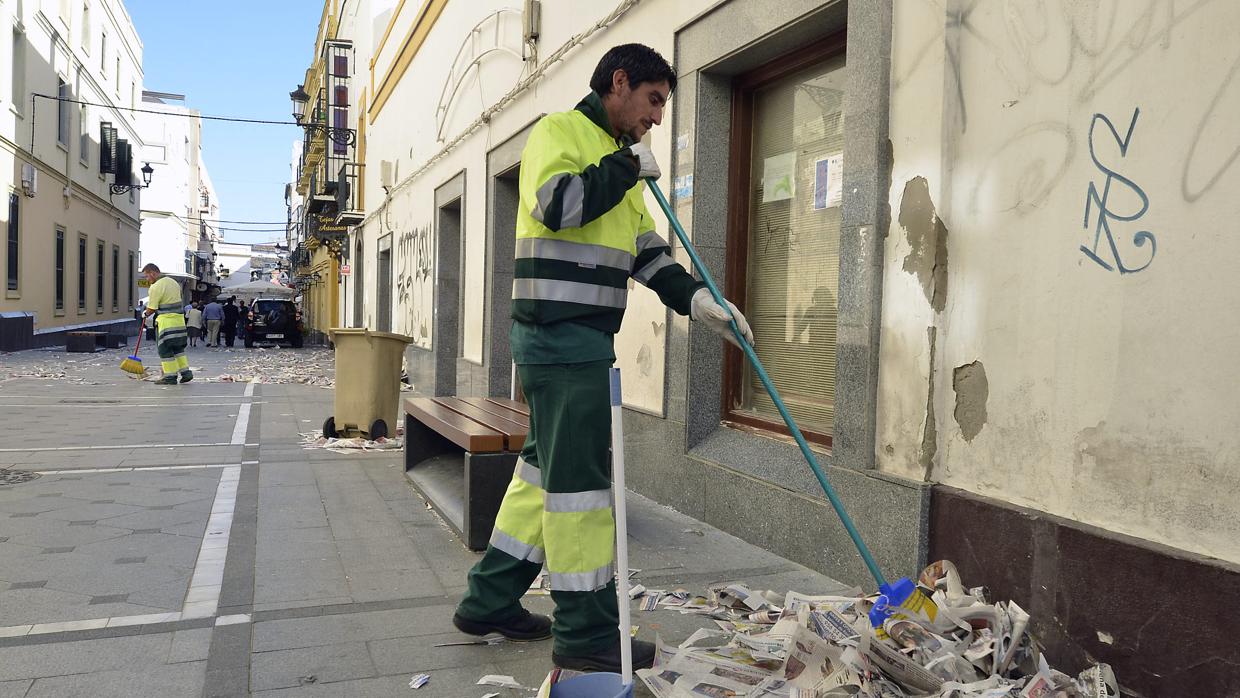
<point x="124" y="166"/>
<point x="107" y="148"/>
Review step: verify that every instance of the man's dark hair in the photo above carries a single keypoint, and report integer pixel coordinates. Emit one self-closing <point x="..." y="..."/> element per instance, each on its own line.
<point x="150" y="267"/>
<point x="641" y="63"/>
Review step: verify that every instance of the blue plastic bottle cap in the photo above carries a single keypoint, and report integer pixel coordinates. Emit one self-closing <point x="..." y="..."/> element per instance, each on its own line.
<point x="895" y="593"/>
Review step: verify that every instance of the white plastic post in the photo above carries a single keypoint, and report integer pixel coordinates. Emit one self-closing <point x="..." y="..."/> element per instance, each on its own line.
<point x="622" y="530"/>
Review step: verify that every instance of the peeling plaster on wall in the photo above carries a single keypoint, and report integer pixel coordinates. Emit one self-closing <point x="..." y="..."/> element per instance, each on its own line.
<point x="927" y="238"/>
<point x="929" y="435"/>
<point x="972" y="390"/>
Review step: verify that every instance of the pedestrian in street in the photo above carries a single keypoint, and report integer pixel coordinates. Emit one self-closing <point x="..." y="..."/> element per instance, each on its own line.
<point x="164" y="298"/>
<point x="193" y="323"/>
<point x="231" y="314"/>
<point x="214" y="315"/>
<point x="582" y="231"/>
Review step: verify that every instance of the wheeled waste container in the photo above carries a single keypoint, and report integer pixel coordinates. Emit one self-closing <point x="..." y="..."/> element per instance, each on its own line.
<point x="367" y="383"/>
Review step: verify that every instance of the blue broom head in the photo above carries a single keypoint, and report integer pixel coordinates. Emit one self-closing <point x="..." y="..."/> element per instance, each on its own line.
<point x="134" y="358"/>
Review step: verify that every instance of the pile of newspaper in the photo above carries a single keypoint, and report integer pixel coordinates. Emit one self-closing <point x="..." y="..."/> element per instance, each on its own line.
<point x="948" y="641"/>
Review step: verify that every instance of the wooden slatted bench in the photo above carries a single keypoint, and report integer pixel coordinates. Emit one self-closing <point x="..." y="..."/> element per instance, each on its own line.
<point x="460" y="454"/>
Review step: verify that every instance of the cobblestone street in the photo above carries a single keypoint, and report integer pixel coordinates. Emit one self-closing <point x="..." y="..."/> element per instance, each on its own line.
<point x="178" y="541"/>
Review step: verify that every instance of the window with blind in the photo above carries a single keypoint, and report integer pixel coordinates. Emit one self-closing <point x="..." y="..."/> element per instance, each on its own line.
<point x="784" y="236"/>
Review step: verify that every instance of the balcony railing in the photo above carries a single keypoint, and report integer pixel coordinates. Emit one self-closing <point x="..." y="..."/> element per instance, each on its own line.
<point x="348" y="194"/>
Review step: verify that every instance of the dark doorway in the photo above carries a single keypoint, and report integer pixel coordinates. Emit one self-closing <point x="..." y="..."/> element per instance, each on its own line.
<point x="447" y="332"/>
<point x="383" y="287"/>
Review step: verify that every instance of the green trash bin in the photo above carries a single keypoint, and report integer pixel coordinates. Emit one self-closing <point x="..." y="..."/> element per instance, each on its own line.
<point x="367" y="383"/>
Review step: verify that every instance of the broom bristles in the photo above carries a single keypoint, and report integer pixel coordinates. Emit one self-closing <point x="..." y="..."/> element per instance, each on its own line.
<point x="133" y="364"/>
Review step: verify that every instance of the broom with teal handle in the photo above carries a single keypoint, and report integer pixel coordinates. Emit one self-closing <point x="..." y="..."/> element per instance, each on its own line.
<point x="902" y="588"/>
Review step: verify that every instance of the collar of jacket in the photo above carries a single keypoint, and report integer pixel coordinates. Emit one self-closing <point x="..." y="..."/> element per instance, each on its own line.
<point x="592" y="106"/>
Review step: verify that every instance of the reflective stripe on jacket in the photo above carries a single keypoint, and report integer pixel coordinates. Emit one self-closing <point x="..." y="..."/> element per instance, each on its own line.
<point x="583" y="229"/>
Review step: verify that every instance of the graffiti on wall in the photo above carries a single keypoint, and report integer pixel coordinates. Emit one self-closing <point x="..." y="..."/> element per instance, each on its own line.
<point x="414" y="280"/>
<point x="1098" y="200"/>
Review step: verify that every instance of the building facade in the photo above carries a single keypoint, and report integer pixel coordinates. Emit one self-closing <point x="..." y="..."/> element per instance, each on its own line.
<point x="71" y="71"/>
<point x="961" y="236"/>
<point x="181" y="211"/>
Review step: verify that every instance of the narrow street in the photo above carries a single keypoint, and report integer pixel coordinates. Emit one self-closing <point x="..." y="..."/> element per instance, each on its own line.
<point x="179" y="541"/>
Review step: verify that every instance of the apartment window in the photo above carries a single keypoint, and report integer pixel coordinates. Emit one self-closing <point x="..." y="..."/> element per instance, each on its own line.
<point x="103" y="53"/>
<point x="62" y="113"/>
<point x="99" y="275"/>
<point x="340" y="116"/>
<point x="129" y="272"/>
<point x="81" y="273"/>
<point x="86" y="27"/>
<point x="60" y="270"/>
<point x="187" y="149"/>
<point x="14" y="239"/>
<point x="116" y="277"/>
<point x="784" y="235"/>
<point x="18" y="77"/>
<point x="118" y="74"/>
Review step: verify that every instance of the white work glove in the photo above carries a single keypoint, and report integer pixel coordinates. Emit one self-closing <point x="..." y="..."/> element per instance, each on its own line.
<point x="703" y="308"/>
<point x="646" y="165"/>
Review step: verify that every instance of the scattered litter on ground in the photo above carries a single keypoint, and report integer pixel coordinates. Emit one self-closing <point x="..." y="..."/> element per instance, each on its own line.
<point x="315" y="440"/>
<point x="58" y="368"/>
<point x="419" y="680"/>
<point x="958" y="643"/>
<point x="498" y="680"/>
<point x="308" y="367"/>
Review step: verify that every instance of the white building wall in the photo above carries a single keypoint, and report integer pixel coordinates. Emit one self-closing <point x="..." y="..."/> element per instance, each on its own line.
<point x="72" y="194"/>
<point x="409" y="131"/>
<point x="1109" y="397"/>
<point x="181" y="198"/>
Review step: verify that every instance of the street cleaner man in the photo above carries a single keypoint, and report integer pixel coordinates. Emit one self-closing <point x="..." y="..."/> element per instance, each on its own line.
<point x="165" y="298"/>
<point x="582" y="232"/>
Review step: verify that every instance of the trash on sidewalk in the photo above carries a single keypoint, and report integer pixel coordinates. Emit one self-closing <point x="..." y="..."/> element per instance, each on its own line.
<point x="315" y="440"/>
<point x="307" y="367"/>
<point x="959" y="644"/>
<point x="498" y="680"/>
<point x="419" y="680"/>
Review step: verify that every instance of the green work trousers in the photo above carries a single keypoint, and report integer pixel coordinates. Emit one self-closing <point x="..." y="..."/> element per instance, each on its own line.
<point x="557" y="510"/>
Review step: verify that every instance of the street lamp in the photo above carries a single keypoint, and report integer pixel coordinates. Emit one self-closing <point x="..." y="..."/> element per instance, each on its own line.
<point x="147" y="171"/>
<point x="300" y="99"/>
<point x="343" y="136"/>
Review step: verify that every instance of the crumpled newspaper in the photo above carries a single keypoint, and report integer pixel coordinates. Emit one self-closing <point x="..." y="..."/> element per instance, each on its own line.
<point x="56" y="368"/>
<point x="947" y="641"/>
<point x="315" y="440"/>
<point x="313" y="366"/>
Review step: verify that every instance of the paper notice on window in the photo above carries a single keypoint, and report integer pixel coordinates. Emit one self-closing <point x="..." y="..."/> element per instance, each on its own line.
<point x="779" y="177"/>
<point x="828" y="182"/>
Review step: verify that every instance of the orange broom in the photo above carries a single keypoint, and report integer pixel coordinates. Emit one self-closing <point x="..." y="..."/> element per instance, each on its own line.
<point x="132" y="364"/>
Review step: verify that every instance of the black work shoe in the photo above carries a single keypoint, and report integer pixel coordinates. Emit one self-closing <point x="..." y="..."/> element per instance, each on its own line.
<point x="187" y="376"/>
<point x="523" y="628"/>
<point x="608" y="659"/>
<point x="170" y="379"/>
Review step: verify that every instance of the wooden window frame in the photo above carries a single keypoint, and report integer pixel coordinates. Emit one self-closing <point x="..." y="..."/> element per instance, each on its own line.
<point x="740" y="160"/>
